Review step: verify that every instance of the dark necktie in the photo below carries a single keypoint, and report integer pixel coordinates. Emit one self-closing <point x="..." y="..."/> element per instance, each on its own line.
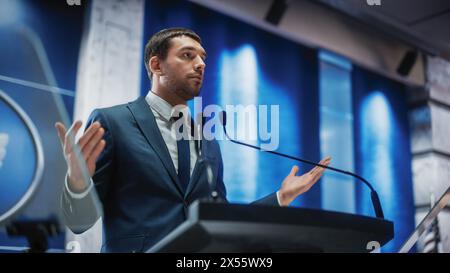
<point x="184" y="161"/>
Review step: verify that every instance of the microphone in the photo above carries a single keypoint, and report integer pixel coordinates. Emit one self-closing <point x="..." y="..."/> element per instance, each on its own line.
<point x="213" y="194"/>
<point x="373" y="194"/>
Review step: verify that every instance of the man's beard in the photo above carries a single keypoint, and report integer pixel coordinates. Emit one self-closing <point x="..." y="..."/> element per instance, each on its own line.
<point x="189" y="94"/>
<point x="186" y="91"/>
<point x="183" y="88"/>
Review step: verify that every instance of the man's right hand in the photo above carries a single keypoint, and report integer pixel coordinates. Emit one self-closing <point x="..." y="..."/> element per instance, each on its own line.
<point x="90" y="144"/>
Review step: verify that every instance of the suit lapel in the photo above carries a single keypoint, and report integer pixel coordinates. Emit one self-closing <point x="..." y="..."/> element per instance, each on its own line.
<point x="147" y="123"/>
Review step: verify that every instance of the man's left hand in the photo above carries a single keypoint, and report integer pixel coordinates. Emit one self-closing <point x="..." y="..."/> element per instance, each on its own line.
<point x="293" y="185"/>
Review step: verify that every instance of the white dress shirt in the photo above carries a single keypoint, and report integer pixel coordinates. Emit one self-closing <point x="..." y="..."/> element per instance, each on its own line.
<point x="163" y="111"/>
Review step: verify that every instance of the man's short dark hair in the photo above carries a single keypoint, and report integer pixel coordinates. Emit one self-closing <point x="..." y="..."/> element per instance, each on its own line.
<point x="159" y="44"/>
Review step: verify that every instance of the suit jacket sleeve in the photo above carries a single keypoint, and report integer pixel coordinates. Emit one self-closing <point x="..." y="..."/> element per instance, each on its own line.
<point x="270" y="200"/>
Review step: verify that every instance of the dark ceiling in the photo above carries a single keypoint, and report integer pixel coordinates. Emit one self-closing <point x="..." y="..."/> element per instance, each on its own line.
<point x="422" y="23"/>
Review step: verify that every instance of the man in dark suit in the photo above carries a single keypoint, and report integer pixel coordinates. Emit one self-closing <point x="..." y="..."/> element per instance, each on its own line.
<point x="143" y="175"/>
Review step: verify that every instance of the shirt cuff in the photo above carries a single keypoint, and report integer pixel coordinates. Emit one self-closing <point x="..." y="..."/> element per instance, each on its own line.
<point x="278" y="198"/>
<point x="80" y="195"/>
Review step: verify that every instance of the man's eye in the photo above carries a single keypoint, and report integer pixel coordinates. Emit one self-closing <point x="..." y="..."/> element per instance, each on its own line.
<point x="187" y="55"/>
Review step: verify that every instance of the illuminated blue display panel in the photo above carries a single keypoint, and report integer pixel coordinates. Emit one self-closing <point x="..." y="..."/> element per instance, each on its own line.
<point x="19" y="158"/>
<point x="336" y="131"/>
<point x="382" y="150"/>
<point x="34" y="41"/>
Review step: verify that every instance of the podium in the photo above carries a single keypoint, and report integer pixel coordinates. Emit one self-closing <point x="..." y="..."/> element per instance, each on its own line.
<point x="224" y="228"/>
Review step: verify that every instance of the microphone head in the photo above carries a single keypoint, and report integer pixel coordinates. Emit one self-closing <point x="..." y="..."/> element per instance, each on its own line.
<point x="223" y="118"/>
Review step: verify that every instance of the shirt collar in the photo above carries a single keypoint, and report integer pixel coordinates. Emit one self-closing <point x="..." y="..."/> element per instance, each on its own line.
<point x="162" y="107"/>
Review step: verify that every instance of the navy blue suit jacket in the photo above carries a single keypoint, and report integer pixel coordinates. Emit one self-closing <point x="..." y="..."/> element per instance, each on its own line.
<point x="137" y="183"/>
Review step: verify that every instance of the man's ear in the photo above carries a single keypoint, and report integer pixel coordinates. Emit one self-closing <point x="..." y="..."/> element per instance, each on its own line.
<point x="155" y="66"/>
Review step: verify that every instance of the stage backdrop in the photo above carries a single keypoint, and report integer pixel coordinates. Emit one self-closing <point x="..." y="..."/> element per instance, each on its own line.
<point x="315" y="90"/>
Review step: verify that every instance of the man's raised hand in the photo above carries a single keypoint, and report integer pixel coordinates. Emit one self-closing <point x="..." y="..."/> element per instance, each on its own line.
<point x="294" y="185"/>
<point x="90" y="145"/>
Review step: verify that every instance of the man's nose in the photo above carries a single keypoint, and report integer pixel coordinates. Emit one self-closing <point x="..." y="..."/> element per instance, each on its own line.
<point x="200" y="65"/>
